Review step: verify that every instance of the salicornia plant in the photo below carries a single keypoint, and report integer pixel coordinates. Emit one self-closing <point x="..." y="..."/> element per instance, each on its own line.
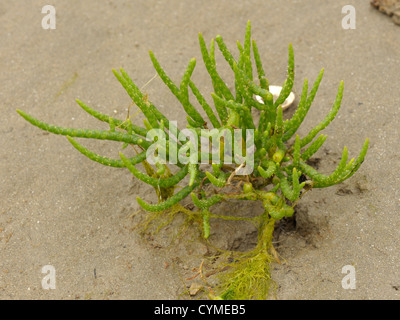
<point x="225" y="153"/>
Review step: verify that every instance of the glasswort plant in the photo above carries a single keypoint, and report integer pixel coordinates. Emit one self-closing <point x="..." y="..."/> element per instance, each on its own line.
<point x="268" y="165"/>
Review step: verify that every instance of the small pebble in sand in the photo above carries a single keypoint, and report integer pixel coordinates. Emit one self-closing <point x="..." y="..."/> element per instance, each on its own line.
<point x="195" y="288"/>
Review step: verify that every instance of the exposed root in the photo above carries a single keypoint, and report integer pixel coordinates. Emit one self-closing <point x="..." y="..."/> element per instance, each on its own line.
<point x="249" y="275"/>
<point x="242" y="276"/>
<point x="155" y="221"/>
<point x="248" y="278"/>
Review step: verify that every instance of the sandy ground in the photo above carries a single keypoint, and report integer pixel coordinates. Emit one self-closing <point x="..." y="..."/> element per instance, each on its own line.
<point x="59" y="208"/>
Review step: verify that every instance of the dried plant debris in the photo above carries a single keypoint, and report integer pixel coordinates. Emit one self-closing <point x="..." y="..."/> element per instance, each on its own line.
<point x="389" y="7"/>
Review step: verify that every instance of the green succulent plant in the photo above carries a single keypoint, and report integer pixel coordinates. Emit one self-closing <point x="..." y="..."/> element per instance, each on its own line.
<point x="279" y="156"/>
